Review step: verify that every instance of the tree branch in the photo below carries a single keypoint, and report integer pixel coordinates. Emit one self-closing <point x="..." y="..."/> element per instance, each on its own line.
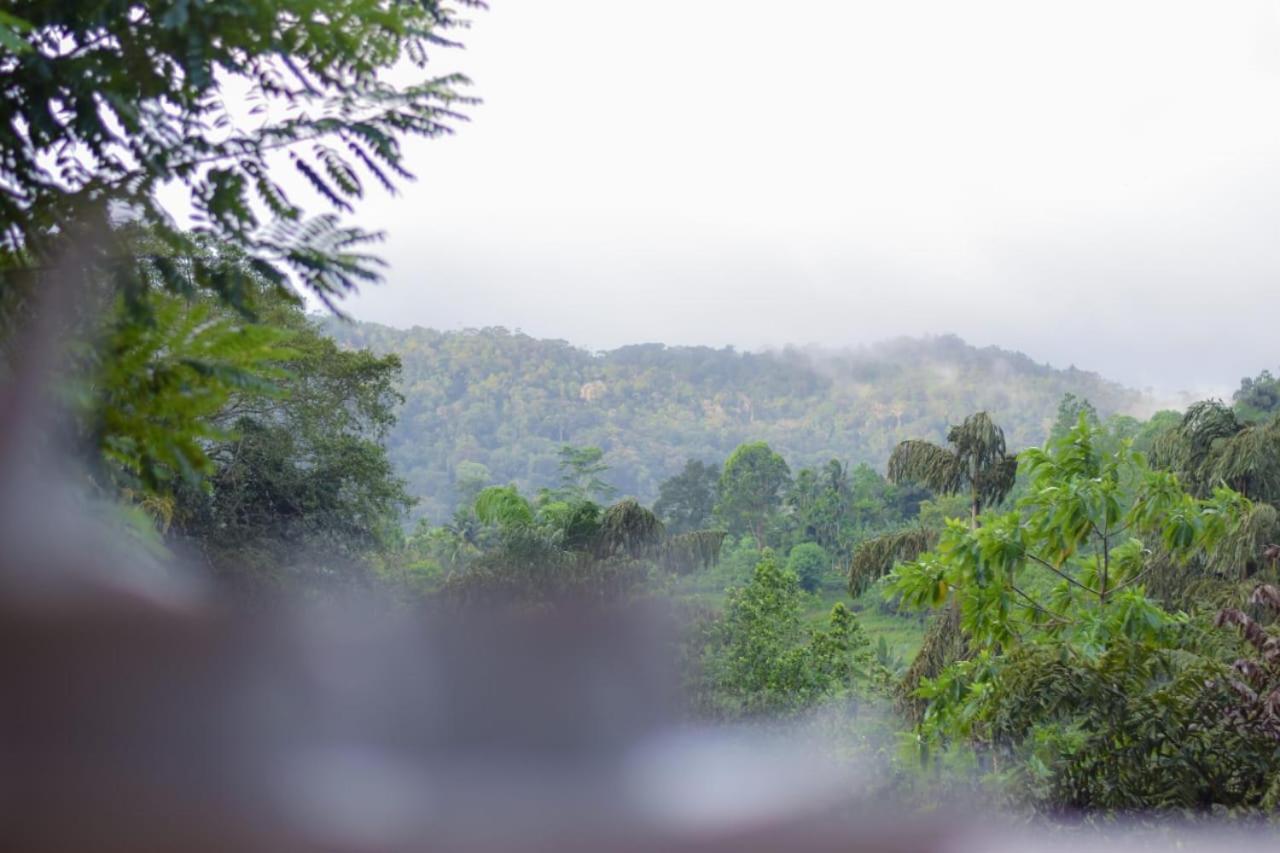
<point x="1060" y="619"/>
<point x="1066" y="577"/>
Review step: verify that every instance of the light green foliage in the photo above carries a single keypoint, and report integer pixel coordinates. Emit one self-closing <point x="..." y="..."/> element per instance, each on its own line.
<point x="106" y="102"/>
<point x="157" y="400"/>
<point x="934" y="512"/>
<point x="504" y="507"/>
<point x="1095" y="696"/>
<point x="761" y="660"/>
<point x="809" y="562"/>
<point x="751" y="489"/>
<point x="1069" y="560"/>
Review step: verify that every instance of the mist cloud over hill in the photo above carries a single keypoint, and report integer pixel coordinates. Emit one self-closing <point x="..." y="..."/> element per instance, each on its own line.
<point x="497" y="404"/>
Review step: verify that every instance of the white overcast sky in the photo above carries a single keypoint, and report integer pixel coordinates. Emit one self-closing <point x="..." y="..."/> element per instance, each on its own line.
<point x="1095" y="183"/>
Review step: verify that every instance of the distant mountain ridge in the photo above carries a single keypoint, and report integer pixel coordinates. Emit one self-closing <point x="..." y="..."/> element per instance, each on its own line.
<point x="507" y="401"/>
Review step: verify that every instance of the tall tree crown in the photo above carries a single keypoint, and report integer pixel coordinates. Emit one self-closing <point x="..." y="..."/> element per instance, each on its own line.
<point x="976" y="461"/>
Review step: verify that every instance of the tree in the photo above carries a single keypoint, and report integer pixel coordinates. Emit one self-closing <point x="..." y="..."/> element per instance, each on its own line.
<point x="628" y="529"/>
<point x="687" y="501"/>
<point x="1081" y="525"/>
<point x="751" y="488"/>
<point x="1257" y="398"/>
<point x="553" y="549"/>
<point x="580" y="470"/>
<point x="975" y="462"/>
<point x="103" y="103"/>
<point x="301" y="489"/>
<point x="821" y="504"/>
<point x="469" y="478"/>
<point x="1098" y="696"/>
<point x="1070" y="407"/>
<point x="157" y="392"/>
<point x="1211" y="446"/>
<point x="761" y="660"/>
<point x="809" y="561"/>
<point x="504" y="507"/>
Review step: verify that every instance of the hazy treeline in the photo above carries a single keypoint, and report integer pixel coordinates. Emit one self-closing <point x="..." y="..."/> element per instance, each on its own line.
<point x="507" y="402"/>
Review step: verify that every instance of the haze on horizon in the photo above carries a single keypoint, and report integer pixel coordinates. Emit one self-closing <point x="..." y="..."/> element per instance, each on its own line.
<point x="1093" y="183"/>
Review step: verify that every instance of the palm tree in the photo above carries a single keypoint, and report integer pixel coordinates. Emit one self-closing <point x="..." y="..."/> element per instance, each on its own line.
<point x="975" y="462"/>
<point x="1212" y="446"/>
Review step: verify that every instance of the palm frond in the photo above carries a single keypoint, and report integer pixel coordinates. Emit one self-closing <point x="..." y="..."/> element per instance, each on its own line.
<point x="689" y="552"/>
<point x="874" y="558"/>
<point x="630" y="529"/>
<point x="944" y="643"/>
<point x="928" y="465"/>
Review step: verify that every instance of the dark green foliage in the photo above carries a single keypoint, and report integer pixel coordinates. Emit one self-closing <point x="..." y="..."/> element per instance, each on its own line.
<point x="687" y="501"/>
<point x="875" y="557"/>
<point x="1212" y="447"/>
<point x="629" y="529"/>
<point x="1188" y="449"/>
<point x="836" y="508"/>
<point x="943" y="645"/>
<point x="553" y="548"/>
<point x="528" y="569"/>
<point x="510" y="402"/>
<point x="751" y="488"/>
<point x="696" y="550"/>
<point x="975" y="462"/>
<point x="1135" y="729"/>
<point x="1257" y="398"/>
<point x="580" y="524"/>
<point x="300" y="488"/>
<point x="102" y="102"/>
<point x="925" y="463"/>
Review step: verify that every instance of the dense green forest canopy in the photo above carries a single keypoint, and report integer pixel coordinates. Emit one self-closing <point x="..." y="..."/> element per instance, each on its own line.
<point x="508" y="402"/>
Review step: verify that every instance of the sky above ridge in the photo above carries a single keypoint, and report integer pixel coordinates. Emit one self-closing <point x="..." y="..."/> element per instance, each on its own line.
<point x="1093" y="183"/>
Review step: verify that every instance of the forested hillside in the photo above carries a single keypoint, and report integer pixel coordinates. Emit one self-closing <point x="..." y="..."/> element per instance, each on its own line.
<point x="508" y="402"/>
